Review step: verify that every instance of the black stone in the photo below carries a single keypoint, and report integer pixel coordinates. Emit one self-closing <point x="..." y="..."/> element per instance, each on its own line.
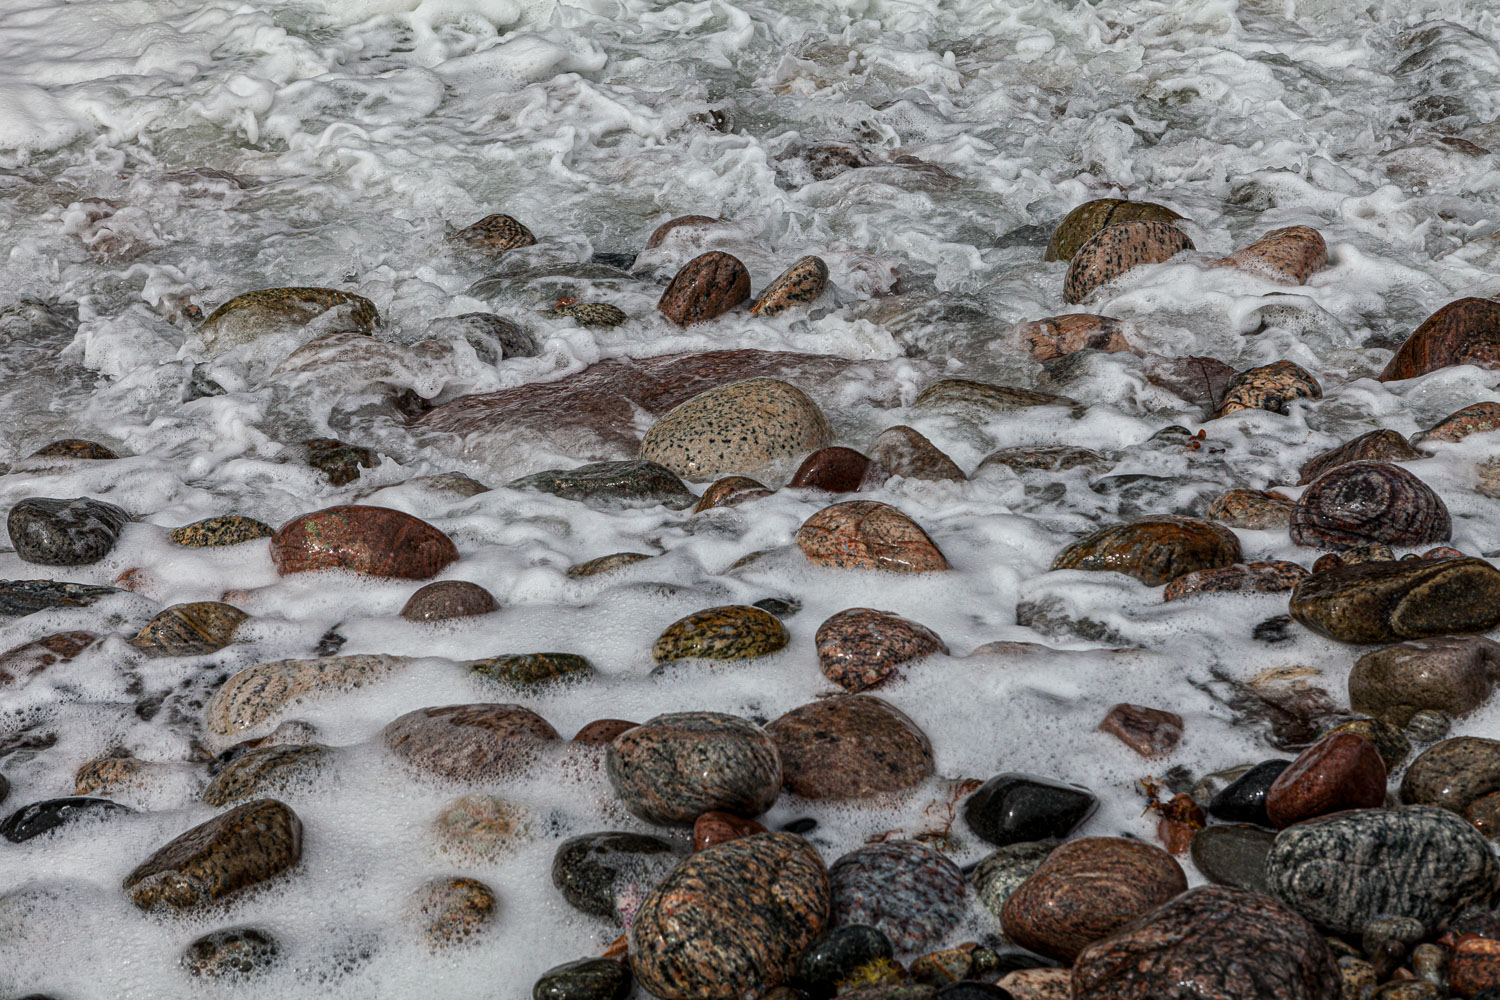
<point x="27" y="597"/>
<point x="1274" y="630"/>
<point x="65" y="532"/>
<point x="624" y="261"/>
<point x="612" y="484"/>
<point x="39" y="817"/>
<point x="1011" y="808"/>
<point x="972" y="991"/>
<point x="1006" y="962"/>
<point x="4" y="788"/>
<point x="781" y="607"/>
<point x="800" y="826"/>
<point x="1234" y="856"/>
<point x="588" y="868"/>
<point x="837" y="956"/>
<point x="1243" y="800"/>
<point x="585" y="979"/>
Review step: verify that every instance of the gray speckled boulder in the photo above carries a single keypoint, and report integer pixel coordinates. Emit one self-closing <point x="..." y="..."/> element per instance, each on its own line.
<point x="743" y="427"/>
<point x="257" y="695"/>
<point x="678" y="766"/>
<point x="479" y="742"/>
<point x="65" y="532"/>
<point x="1342" y="870"/>
<point x="242" y="847"/>
<point x="1454" y="674"/>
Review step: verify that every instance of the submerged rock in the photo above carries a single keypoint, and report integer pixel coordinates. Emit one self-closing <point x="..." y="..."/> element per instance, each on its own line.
<point x="1375" y="446"/>
<point x="252" y="315"/>
<point x="240" y="848"/>
<point x="533" y="670"/>
<point x="234" y="953"/>
<point x="479" y="742"/>
<point x="495" y="234"/>
<point x="642" y="483"/>
<point x="448" y="599"/>
<point x="592" y="870"/>
<point x="1465" y="332"/>
<point x="1270" y="387"/>
<point x="1154" y="550"/>
<point x="1272" y="577"/>
<point x="1476" y="418"/>
<point x="226" y="529"/>
<point x="450" y="911"/>
<point x="732" y="632"/>
<point x="742" y="428"/>
<point x="190" y="629"/>
<point x="27" y="597"/>
<point x="1256" y="509"/>
<point x="25" y="661"/>
<point x="906" y="452"/>
<point x="376" y="541"/>
<point x="1058" y="336"/>
<point x="75" y="448"/>
<point x="73" y="532"/>
<point x="1118" y="248"/>
<point x="1079" y="225"/>
<point x="800" y="284"/>
<point x="258" y="694"/>
<point x="1290" y="255"/>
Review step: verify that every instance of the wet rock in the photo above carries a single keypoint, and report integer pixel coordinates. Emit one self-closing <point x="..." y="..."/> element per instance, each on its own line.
<point x="26" y="597"/>
<point x="1465" y="332"/>
<point x="1290" y="255"/>
<point x="1390" y="601"/>
<point x="480" y="742"/>
<point x="1118" y="248"/>
<point x="450" y="911"/>
<point x="1233" y="855"/>
<point x="1053" y="337"/>
<point x="1474" y="967"/>
<point x="1363" y="552"/>
<point x="1341" y="871"/>
<point x="1228" y="943"/>
<point x="591" y="870"/>
<point x="708" y="286"/>
<point x="4" y="788"/>
<point x="1376" y="446"/>
<point x="1453" y="773"/>
<point x="731" y="920"/>
<point x="448" y="599"/>
<point x="600" y="314"/>
<point x="1256" y="509"/>
<point x="75" y="448"/>
<point x="1476" y="418"/>
<point x="231" y="954"/>
<point x="1087" y="889"/>
<point x="731" y="491"/>
<point x="906" y="452"/>
<point x="376" y="541"/>
<point x="1428" y="726"/>
<point x="691" y="221"/>
<point x="495" y="234"/>
<point x="865" y="534"/>
<point x="534" y="670"/>
<point x="24" y="662"/>
<point x="743" y="427"/>
<point x="233" y="851"/>
<point x="190" y="629"/>
<point x="715" y="827"/>
<point x="855" y="953"/>
<point x="1079" y="225"/>
<point x="50" y="814"/>
<point x="1150" y="732"/>
<point x="800" y="284"/>
<point x="1044" y="459"/>
<point x="678" y="766"/>
<point x="861" y="648"/>
<point x="612" y="484"/>
<point x="73" y="532"/>
<point x="981" y="400"/>
<point x="1014" y="808"/>
<point x="850" y="747"/>
<point x="1038" y="984"/>
<point x="1154" y="550"/>
<point x="607" y="564"/>
<point x="1364" y="502"/>
<point x="585" y="979"/>
<point x="252" y="315"/>
<point x="1272" y="577"/>
<point x="835" y="469"/>
<point x="1452" y="674"/>
<point x="602" y="731"/>
<point x="226" y="529"/>
<point x="1270" y="387"/>
<point x="338" y="461"/>
<point x="257" y="694"/>
<point x="1001" y="872"/>
<point x="1199" y="380"/>
<point x="481" y="827"/>
<point x="1340" y="771"/>
<point x="268" y="770"/>
<point x="1243" y="800"/>
<point x="492" y="337"/>
<point x="909" y="891"/>
<point x="732" y="632"/>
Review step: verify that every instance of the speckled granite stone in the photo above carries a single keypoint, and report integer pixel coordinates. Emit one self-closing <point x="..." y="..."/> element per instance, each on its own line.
<point x="1465" y="332"/>
<point x="865" y="534"/>
<point x="1476" y="418"/>
<point x="1407" y="599"/>
<point x="606" y="564"/>
<point x="601" y="732"/>
<point x="451" y="910"/>
<point x="1453" y="773"/>
<point x="591" y="870"/>
<point x="798" y="285"/>
<point x="911" y="892"/>
<point x="495" y="234"/>
<point x="905" y="451"/>
<point x="1361" y="502"/>
<point x="1079" y="225"/>
<point x="75" y="448"/>
<point x="447" y="599"/>
<point x="26" y="597"/>
<point x="232" y="954"/>
<point x="1453" y="674"/>
<point x="1228" y="944"/>
<point x="25" y="661"/>
<point x="493" y="338"/>
<point x="981" y="400"/>
<point x="1290" y="255"/>
<point x="1258" y="509"/>
<point x="226" y="529"/>
<point x="480" y="742"/>
<point x="1375" y="446"/>
<point x="240" y="848"/>
<point x="1340" y="771"/>
<point x="1058" y="336"/>
<point x="481" y="828"/>
<point x="678" y="766"/>
<point x="376" y="541"/>
<point x="1118" y="248"/>
<point x="1269" y="387"/>
<point x="584" y="979"/>
<point x="256" y="695"/>
<point x="338" y="461"/>
<point x="743" y="427"/>
<point x="253" y="314"/>
<point x="1012" y="808"/>
<point x="1340" y="871"/>
<point x="1268" y="577"/>
<point x="1001" y="872"/>
<point x="190" y="629"/>
<point x="731" y="920"/>
<point x="662" y="231"/>
<point x="65" y="532"/>
<point x="707" y="286"/>
<point x="42" y="817"/>
<point x="861" y="648"/>
<point x="533" y="670"/>
<point x="266" y="771"/>
<point x="850" y="747"/>
<point x="1154" y="550"/>
<point x="591" y="313"/>
<point x="731" y="632"/>
<point x="609" y="484"/>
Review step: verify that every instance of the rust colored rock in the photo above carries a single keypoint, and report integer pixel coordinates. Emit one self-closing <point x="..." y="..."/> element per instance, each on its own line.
<point x="1269" y="387"/>
<point x="731" y="491"/>
<point x="715" y="827"/>
<point x="1154" y="550"/>
<point x="1362" y="502"/>
<point x="709" y="285"/>
<point x="29" y="659"/>
<point x="799" y="284"/>
<point x="1340" y="771"/>
<point x="1257" y="509"/>
<point x="1466" y="332"/>
<point x="602" y="732"/>
<point x="835" y="469"/>
<point x="1150" y="732"/>
<point x="1090" y="217"/>
<point x="850" y="747"/>
<point x="1055" y="336"/>
<point x="1473" y="965"/>
<point x="1376" y="446"/>
<point x="1271" y="577"/>
<point x="662" y="231"/>
<point x="1476" y="418"/>
<point x="1087" y="889"/>
<point x="862" y="648"/>
<point x="865" y="534"/>
<point x="481" y="742"/>
<point x="495" y="233"/>
<point x="1118" y="248"/>
<point x="376" y="541"/>
<point x="448" y="599"/>
<point x="1290" y="255"/>
<point x="906" y="452"/>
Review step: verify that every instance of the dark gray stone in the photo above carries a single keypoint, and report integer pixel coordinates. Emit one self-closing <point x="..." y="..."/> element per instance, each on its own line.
<point x="40" y="817"/>
<point x="634" y="483"/>
<point x="590" y="869"/>
<point x="1234" y="856"/>
<point x="585" y="979"/>
<point x="1011" y="808"/>
<point x="65" y="532"/>
<point x="27" y="597"/>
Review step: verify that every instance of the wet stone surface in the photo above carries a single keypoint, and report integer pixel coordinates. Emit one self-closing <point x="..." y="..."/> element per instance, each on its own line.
<point x="64" y="532"/>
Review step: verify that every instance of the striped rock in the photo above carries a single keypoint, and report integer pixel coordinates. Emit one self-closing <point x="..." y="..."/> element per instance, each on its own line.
<point x="1363" y="502"/>
<point x="266" y="770"/>
<point x="1053" y="337"/>
<point x="258" y="695"/>
<point x="707" y="286"/>
<point x="731" y="491"/>
<point x="376" y="541"/>
<point x="190" y="629"/>
<point x="798" y="285"/>
<point x="252" y="315"/>
<point x="1288" y="255"/>
<point x="743" y="427"/>
<point x="731" y="632"/>
<point x="1079" y="225"/>
<point x="1466" y="332"/>
<point x="495" y="233"/>
<point x="609" y="563"/>
<point x="1118" y="248"/>
<point x="231" y="852"/>
<point x="1154" y="550"/>
<point x="865" y="534"/>
<point x="21" y="663"/>
<point x="1375" y="446"/>
<point x="1268" y="387"/>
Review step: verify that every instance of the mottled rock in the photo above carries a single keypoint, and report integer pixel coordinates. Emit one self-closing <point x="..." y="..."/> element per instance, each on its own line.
<point x="1340" y="771"/>
<point x="26" y="597"/>
<point x="1256" y="509"/>
<point x="1079" y="225"/>
<point x="906" y="452"/>
<point x="1118" y="248"/>
<point x="265" y="771"/>
<point x="1001" y="872"/>
<point x="232" y="954"/>
<point x="601" y="732"/>
<point x="481" y="827"/>
<point x="837" y="470"/>
<point x="1340" y="871"/>
<point x="1233" y="855"/>
<point x="480" y="742"/>
<point x="981" y="400"/>
<point x="25" y="661"/>
<point x="75" y="448"/>
<point x="862" y="648"/>
<point x="50" y="814"/>
<point x="376" y="541"/>
<point x="450" y="911"/>
<point x="678" y="766"/>
<point x="448" y="599"/>
<point x="1270" y="577"/>
<point x="585" y="979"/>
<point x="226" y="529"/>
<point x="1056" y="336"/>
<point x="251" y="315"/>
<point x="607" y="564"/>
<point x="1029" y="458"/>
<point x="1154" y="550"/>
<point x="731" y="920"/>
<point x="715" y="827"/>
<point x="1474" y="967"/>
<point x="1038" y="984"/>
<point x="1198" y="379"/>
<point x="1269" y="387"/>
<point x="257" y="694"/>
<point x="495" y="234"/>
<point x="854" y="953"/>
<point x="492" y="337"/>
<point x="600" y="314"/>
<point x="743" y="427"/>
<point x="532" y="670"/>
<point x="1013" y="808"/>
<point x="731" y="491"/>
<point x="1476" y="418"/>
<point x="592" y="870"/>
<point x="1150" y="732"/>
<point x="190" y="629"/>
<point x="233" y="851"/>
<point x="1453" y="674"/>
<point x="1453" y="773"/>
<point x="865" y="534"/>
<point x="1087" y="889"/>
<point x="1428" y="725"/>
<point x="1465" y="332"/>
<point x="708" y="286"/>
<point x="612" y="484"/>
<point x="73" y="532"/>
<point x="1290" y="255"/>
<point x="800" y="284"/>
<point x="1375" y="446"/>
<point x="1243" y="800"/>
<point x="692" y="221"/>
<point x="1362" y="502"/>
<point x="1228" y="944"/>
<point x="1390" y="601"/>
<point x="909" y="891"/>
<point x="731" y="632"/>
<point x="850" y="747"/>
<point x="338" y="461"/>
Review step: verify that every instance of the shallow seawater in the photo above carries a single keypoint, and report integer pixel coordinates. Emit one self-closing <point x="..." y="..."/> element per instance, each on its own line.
<point x="158" y="157"/>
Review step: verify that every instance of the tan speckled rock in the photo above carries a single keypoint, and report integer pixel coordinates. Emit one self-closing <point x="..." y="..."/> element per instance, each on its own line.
<point x="798" y="285"/>
<point x="1290" y="255"/>
<point x="730" y="632"/>
<point x="259" y="694"/>
<point x="906" y="452"/>
<point x="1087" y="219"/>
<point x="1038" y="984"/>
<point x="1259" y="509"/>
<point x="1476" y="418"/>
<point x="692" y="221"/>
<point x="254" y="314"/>
<point x="481" y="742"/>
<point x="707" y="286"/>
<point x="495" y="234"/>
<point x="743" y="427"/>
<point x="866" y="534"/>
<point x="1269" y="387"/>
<point x="452" y="910"/>
<point x="190" y="629"/>
<point x="240" y="848"/>
<point x="227" y="529"/>
<point x="74" y="448"/>
<point x="1119" y="248"/>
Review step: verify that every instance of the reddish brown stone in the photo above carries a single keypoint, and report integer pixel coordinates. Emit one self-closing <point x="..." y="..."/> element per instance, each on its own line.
<point x="1476" y="418"/>
<point x="602" y="731"/>
<point x="906" y="452"/>
<point x="1150" y="732"/>
<point x="29" y="659"/>
<point x="1086" y="889"/>
<point x="731" y="491"/>
<point x="835" y="469"/>
<point x="1056" y="336"/>
<point x="1466" y="332"/>
<point x="1269" y="387"/>
<point x="709" y="285"/>
<point x="1293" y="255"/>
<point x="481" y="742"/>
<point x="1361" y="502"/>
<point x="1201" y="381"/>
<point x="374" y="540"/>
<point x="865" y="534"/>
<point x="1258" y="509"/>
<point x="1474" y="965"/>
<point x="1154" y="550"/>
<point x="448" y="599"/>
<point x="1116" y="249"/>
<point x="861" y="648"/>
<point x="716" y="827"/>
<point x="850" y="747"/>
<point x="1340" y="771"/>
<point x="1376" y="446"/>
<point x="1271" y="577"/>
<point x="1181" y="819"/>
<point x="665" y="228"/>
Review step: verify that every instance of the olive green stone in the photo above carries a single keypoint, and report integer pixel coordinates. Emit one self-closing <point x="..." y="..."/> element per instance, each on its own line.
<point x="532" y="669"/>
<point x="254" y="314"/>
<point x="731" y="632"/>
<point x="227" y="529"/>
<point x="1087" y="219"/>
